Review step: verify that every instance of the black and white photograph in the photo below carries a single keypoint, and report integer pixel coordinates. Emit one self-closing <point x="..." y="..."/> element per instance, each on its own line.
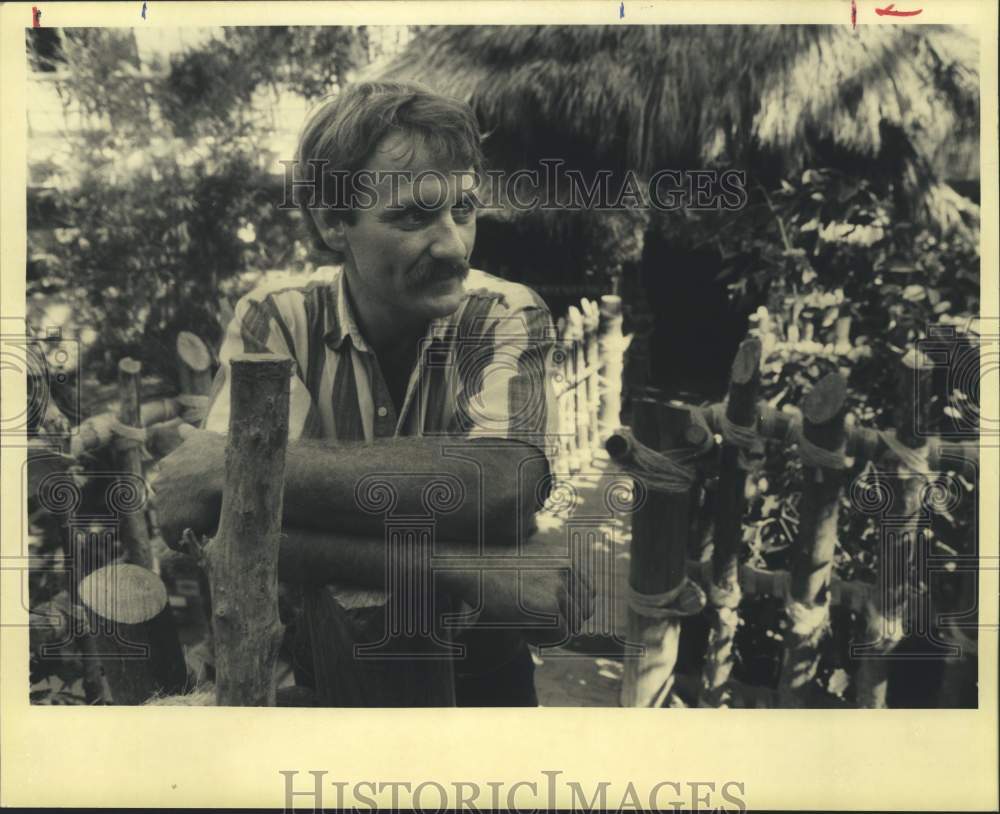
<point x="619" y="365"/>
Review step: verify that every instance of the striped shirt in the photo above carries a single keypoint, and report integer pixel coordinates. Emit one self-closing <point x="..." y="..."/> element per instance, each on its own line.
<point x="481" y="371"/>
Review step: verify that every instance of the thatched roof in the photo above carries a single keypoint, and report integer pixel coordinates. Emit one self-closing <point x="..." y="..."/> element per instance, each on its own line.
<point x="651" y="97"/>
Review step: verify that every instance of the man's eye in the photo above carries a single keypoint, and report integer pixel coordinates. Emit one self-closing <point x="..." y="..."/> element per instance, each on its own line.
<point x="414" y="216"/>
<point x="463" y="211"/>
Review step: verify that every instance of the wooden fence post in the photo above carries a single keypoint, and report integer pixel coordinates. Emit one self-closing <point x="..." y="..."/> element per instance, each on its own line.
<point x="610" y="346"/>
<point x="842" y="335"/>
<point x="563" y="405"/>
<point x="808" y="605"/>
<point x="242" y="559"/>
<point x="591" y="320"/>
<point x="194" y="366"/>
<point x="575" y="336"/>
<point x="133" y="532"/>
<point x="130" y="595"/>
<point x="724" y="594"/>
<point x="658" y="560"/>
<point x="907" y="466"/>
<point x="825" y="442"/>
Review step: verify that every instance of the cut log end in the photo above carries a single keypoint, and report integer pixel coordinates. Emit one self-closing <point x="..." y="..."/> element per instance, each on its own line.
<point x="617" y="446"/>
<point x="747" y="361"/>
<point x="261" y="359"/>
<point x="611" y="305"/>
<point x="695" y="435"/>
<point x="193" y="352"/>
<point x="129" y="366"/>
<point x="826" y="400"/>
<point x="124" y="593"/>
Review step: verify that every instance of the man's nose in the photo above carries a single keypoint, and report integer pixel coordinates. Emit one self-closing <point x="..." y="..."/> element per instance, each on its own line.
<point x="448" y="240"/>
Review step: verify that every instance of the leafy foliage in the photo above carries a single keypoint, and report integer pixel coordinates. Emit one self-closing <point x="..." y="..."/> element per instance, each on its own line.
<point x="842" y="282"/>
<point x="165" y="191"/>
<point x="831" y="250"/>
<point x="159" y="201"/>
<point x="212" y="87"/>
<point x="162" y="199"/>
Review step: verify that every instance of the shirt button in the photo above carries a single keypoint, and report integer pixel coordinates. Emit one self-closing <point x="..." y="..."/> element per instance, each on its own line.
<point x="382" y="412"/>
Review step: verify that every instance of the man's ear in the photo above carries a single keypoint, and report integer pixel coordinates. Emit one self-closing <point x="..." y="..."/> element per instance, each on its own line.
<point x="330" y="226"/>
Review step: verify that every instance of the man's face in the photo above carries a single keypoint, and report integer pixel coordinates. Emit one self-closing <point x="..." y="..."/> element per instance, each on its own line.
<point x="410" y="253"/>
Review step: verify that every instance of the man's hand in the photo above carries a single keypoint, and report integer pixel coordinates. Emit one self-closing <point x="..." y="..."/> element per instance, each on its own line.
<point x="510" y="590"/>
<point x="515" y="591"/>
<point x="517" y="598"/>
<point x="188" y="486"/>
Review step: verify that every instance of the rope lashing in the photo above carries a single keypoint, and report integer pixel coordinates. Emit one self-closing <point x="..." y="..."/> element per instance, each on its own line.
<point x="196" y="407"/>
<point x="817" y="456"/>
<point x="137" y="434"/>
<point x="726" y="595"/>
<point x="744" y="438"/>
<point x="699" y="420"/>
<point x="810" y="453"/>
<point x="916" y="460"/>
<point x="769" y="425"/>
<point x="805" y="619"/>
<point x="687" y="599"/>
<point x="659" y="471"/>
<point x="126" y="436"/>
<point x="738" y="435"/>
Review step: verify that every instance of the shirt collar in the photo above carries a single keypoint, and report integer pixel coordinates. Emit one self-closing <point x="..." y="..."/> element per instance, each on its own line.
<point x="440" y="327"/>
<point x="341" y="324"/>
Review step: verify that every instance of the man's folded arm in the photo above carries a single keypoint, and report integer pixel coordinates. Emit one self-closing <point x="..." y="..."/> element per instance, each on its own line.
<point x="485" y="486"/>
<point x="506" y="586"/>
<point x="486" y="495"/>
<point x="491" y="452"/>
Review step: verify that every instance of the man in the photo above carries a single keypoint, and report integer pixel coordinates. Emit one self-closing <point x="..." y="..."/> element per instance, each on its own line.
<point x="410" y="370"/>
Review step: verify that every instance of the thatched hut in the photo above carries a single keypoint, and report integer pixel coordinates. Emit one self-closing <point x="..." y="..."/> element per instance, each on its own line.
<point x="899" y="103"/>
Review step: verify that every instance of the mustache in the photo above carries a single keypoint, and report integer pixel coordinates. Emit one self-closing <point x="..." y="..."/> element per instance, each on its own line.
<point x="430" y="270"/>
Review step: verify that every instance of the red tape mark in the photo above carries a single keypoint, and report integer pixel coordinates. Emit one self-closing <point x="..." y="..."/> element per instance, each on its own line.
<point x="890" y="11"/>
